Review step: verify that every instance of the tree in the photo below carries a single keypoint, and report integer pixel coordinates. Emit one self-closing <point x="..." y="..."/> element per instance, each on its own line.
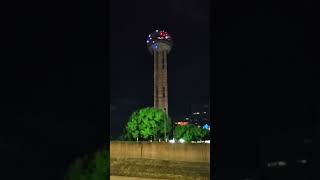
<point x="86" y="168"/>
<point x="76" y="170"/>
<point x="133" y="126"/>
<point x="165" y="128"/>
<point x="179" y="131"/>
<point x="201" y="134"/>
<point x="148" y="123"/>
<point x="190" y="133"/>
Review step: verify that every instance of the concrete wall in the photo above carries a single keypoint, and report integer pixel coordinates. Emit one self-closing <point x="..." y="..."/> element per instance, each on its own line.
<point x="189" y="152"/>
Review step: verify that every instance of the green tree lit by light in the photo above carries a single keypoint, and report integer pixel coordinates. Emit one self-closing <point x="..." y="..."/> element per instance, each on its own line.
<point x="190" y="133"/>
<point x="148" y="123"/>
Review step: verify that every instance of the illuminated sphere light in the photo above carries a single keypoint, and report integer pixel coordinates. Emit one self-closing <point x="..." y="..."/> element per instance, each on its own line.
<point x="159" y="41"/>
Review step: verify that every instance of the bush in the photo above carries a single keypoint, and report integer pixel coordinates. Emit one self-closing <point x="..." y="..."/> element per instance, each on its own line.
<point x="190" y="133"/>
<point x="90" y="168"/>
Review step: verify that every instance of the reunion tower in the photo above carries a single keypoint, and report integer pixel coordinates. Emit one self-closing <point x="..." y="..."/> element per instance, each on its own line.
<point x="160" y="44"/>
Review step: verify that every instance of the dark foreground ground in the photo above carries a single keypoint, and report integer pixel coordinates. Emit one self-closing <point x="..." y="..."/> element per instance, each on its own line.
<point x="132" y="178"/>
<point x="159" y="169"/>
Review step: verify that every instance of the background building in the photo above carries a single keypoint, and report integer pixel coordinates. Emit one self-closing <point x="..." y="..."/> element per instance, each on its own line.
<point x="199" y="114"/>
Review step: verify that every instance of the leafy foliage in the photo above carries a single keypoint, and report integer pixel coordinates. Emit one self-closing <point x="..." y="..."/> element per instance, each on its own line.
<point x="86" y="168"/>
<point x="190" y="133"/>
<point x="148" y="123"/>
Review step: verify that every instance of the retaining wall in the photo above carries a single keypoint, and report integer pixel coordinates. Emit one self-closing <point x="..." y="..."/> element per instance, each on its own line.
<point x="189" y="152"/>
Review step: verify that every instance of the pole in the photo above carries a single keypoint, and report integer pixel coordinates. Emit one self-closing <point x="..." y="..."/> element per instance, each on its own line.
<point x="165" y="130"/>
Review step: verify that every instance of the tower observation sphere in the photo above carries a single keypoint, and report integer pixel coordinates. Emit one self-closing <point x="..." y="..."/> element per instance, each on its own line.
<point x="159" y="45"/>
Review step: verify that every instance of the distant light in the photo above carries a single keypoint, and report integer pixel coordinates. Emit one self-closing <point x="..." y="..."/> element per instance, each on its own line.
<point x="156" y="30"/>
<point x="277" y="163"/>
<point x="207" y="141"/>
<point x="183" y="123"/>
<point x="303" y="161"/>
<point x="282" y="163"/>
<point x="147" y="41"/>
<point x="181" y="140"/>
<point x="272" y="164"/>
<point x="206" y="126"/>
<point x="149" y="35"/>
<point x="204" y="112"/>
<point x="172" y="141"/>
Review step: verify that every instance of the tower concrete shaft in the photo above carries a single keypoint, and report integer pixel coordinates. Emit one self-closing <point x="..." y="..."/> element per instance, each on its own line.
<point x="160" y="80"/>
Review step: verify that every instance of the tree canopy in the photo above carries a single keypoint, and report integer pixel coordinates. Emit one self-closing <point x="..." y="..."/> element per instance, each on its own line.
<point x="190" y="133"/>
<point x="148" y="123"/>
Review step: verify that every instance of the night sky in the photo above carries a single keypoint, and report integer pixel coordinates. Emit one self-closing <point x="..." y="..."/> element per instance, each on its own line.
<point x="131" y="64"/>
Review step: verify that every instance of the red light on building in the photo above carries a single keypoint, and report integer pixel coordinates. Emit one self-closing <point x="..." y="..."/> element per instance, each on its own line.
<point x="183" y="123"/>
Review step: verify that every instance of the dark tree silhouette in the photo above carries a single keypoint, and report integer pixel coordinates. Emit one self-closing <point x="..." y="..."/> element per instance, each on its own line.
<point x="90" y="168"/>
